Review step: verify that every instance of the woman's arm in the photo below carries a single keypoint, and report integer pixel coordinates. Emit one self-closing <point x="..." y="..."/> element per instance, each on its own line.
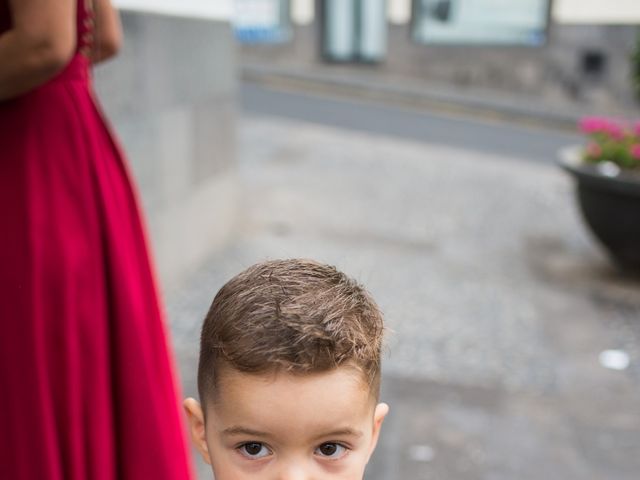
<point x="108" y="31"/>
<point x="38" y="46"/>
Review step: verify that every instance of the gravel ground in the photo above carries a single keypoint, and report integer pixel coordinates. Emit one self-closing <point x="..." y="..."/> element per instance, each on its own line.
<point x="486" y="276"/>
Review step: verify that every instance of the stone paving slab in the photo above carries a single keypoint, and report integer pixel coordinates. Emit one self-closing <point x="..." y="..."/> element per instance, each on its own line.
<point x="444" y="431"/>
<point x="497" y="301"/>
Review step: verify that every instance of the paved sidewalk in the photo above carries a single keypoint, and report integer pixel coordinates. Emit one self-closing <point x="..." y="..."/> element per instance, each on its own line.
<point x="497" y="302"/>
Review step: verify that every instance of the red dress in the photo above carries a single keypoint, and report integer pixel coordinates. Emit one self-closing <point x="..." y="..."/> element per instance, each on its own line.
<point x="87" y="387"/>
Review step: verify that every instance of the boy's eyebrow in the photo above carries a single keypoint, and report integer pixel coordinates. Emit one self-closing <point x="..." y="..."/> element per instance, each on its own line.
<point x="342" y="432"/>
<point x="239" y="430"/>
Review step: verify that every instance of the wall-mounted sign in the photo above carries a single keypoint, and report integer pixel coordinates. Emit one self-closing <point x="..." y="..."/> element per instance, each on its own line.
<point x="262" y="21"/>
<point x="506" y="22"/>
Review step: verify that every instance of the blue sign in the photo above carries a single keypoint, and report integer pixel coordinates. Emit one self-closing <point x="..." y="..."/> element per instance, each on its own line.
<point x="262" y="21"/>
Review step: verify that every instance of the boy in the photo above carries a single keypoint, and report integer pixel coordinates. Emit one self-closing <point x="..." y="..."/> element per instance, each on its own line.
<point x="289" y="375"/>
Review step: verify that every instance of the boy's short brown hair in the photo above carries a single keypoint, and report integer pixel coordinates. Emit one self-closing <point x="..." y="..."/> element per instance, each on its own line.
<point x="294" y="315"/>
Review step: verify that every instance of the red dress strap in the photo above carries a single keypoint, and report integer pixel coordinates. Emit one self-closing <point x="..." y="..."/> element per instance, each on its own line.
<point x="85" y="26"/>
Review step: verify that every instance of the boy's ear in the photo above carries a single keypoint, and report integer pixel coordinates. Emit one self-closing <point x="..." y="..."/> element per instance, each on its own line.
<point x="195" y="417"/>
<point x="378" y="417"/>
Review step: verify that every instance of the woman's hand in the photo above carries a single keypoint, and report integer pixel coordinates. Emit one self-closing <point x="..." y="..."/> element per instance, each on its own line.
<point x="39" y="45"/>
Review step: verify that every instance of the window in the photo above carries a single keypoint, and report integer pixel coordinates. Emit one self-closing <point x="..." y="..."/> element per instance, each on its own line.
<point x="262" y="21"/>
<point x="506" y="22"/>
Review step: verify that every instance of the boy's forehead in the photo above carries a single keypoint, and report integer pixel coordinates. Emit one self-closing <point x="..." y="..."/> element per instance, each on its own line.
<point x="339" y="396"/>
<point x="346" y="375"/>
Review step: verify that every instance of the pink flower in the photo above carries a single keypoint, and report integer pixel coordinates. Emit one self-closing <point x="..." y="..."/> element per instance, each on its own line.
<point x="592" y="125"/>
<point x="594" y="150"/>
<point x="636" y="129"/>
<point x="635" y="151"/>
<point x="616" y="131"/>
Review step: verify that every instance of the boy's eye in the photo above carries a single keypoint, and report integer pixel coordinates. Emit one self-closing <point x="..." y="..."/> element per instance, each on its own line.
<point x="331" y="450"/>
<point x="254" y="450"/>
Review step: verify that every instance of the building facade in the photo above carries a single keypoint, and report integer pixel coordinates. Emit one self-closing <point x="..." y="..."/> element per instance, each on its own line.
<point x="572" y="51"/>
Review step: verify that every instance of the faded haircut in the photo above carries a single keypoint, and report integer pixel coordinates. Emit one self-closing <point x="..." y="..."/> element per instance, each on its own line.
<point x="295" y="315"/>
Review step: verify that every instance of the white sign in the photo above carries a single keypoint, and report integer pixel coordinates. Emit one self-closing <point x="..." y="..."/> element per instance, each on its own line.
<point x="261" y="21"/>
<point x="509" y="22"/>
<point x="257" y="14"/>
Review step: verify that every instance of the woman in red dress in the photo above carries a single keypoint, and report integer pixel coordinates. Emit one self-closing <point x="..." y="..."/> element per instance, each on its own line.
<point x="86" y="379"/>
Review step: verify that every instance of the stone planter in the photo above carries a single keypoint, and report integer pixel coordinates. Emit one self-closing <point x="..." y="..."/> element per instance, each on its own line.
<point x="610" y="204"/>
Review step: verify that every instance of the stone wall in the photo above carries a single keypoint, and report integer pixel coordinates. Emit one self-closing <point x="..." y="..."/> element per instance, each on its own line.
<point x="171" y="96"/>
<point x="588" y="64"/>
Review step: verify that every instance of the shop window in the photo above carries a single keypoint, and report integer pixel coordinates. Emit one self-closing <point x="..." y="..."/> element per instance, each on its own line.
<point x="480" y="22"/>
<point x="262" y="21"/>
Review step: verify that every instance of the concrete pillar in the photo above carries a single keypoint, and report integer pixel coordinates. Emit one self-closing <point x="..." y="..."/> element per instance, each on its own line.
<point x="171" y="97"/>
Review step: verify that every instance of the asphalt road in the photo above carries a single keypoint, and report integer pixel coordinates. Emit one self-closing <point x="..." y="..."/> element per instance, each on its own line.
<point x="490" y="135"/>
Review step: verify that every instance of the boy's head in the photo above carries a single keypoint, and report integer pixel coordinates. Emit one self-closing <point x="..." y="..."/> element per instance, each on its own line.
<point x="289" y="375"/>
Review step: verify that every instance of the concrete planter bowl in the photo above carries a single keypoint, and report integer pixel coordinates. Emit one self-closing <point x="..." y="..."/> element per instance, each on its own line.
<point x="610" y="202"/>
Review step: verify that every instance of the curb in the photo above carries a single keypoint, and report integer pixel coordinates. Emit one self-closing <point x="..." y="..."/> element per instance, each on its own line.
<point x="363" y="87"/>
